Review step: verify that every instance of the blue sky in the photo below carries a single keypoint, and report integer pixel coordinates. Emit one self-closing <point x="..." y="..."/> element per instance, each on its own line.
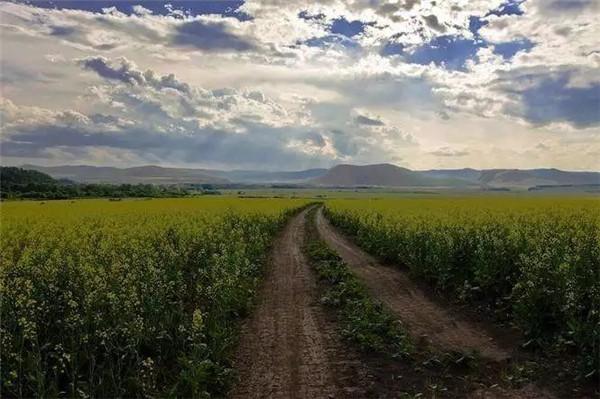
<point x="186" y="7"/>
<point x="290" y="85"/>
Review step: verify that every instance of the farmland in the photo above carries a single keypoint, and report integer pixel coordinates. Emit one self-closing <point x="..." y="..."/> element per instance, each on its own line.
<point x="530" y="262"/>
<point x="215" y="296"/>
<point x="128" y="298"/>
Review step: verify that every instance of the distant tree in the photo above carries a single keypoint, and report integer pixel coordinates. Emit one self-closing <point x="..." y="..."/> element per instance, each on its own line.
<point x="22" y="183"/>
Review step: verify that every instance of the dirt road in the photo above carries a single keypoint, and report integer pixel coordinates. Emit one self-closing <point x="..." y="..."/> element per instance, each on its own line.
<point x="289" y="348"/>
<point x="424" y="318"/>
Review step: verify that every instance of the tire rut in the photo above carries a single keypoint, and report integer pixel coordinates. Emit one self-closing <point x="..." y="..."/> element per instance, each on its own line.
<point x="288" y="348"/>
<point x="424" y="318"/>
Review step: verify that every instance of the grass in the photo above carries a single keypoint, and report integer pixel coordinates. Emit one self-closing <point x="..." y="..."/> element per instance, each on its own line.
<point x="363" y="320"/>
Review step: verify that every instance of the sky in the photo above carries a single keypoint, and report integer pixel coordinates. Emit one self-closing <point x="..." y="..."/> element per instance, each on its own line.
<point x="289" y="85"/>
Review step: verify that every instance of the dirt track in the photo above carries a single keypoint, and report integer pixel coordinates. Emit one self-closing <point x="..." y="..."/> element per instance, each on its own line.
<point x="289" y="348"/>
<point x="424" y="318"/>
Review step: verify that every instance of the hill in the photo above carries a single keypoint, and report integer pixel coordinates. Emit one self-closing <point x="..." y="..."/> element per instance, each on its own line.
<point x="256" y="176"/>
<point x="517" y="177"/>
<point x="135" y="175"/>
<point x="379" y="175"/>
<point x="338" y="176"/>
<point x="159" y="175"/>
<point x="466" y="174"/>
<point x="12" y="178"/>
<point x="536" y="177"/>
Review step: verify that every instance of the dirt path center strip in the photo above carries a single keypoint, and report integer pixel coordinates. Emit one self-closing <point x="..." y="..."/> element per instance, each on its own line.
<point x="288" y="348"/>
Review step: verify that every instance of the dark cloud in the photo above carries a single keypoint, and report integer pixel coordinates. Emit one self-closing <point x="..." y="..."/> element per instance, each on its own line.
<point x="345" y="144"/>
<point x="311" y="17"/>
<point x="409" y="4"/>
<point x="510" y="7"/>
<point x="79" y="34"/>
<point x="62" y="30"/>
<point x="124" y="73"/>
<point x="264" y="146"/>
<point x="444" y="115"/>
<point x="551" y="100"/>
<point x="165" y="81"/>
<point x="316" y="139"/>
<point x="104" y="119"/>
<point x="365" y="120"/>
<point x="127" y="72"/>
<point x="563" y="30"/>
<point x="387" y="9"/>
<point x="572" y="6"/>
<point x="433" y="22"/>
<point x="209" y="36"/>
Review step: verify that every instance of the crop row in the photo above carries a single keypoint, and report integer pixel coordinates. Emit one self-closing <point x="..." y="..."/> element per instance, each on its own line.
<point x="132" y="298"/>
<point x="534" y="262"/>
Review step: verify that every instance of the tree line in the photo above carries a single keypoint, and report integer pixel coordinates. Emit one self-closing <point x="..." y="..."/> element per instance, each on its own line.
<point x="18" y="183"/>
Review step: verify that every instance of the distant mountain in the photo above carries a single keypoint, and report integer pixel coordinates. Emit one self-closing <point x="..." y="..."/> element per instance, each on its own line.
<point x="338" y="176"/>
<point x="255" y="176"/>
<point x="467" y="174"/>
<point x="140" y="174"/>
<point x="517" y="177"/>
<point x="160" y="175"/>
<point x="536" y="177"/>
<point x="380" y="175"/>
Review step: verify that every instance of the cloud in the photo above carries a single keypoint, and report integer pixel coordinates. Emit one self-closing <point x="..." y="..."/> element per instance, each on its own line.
<point x="449" y="152"/>
<point x="62" y="30"/>
<point x="141" y="10"/>
<point x="433" y="22"/>
<point x="365" y="120"/>
<point x="127" y="72"/>
<point x="303" y="79"/>
<point x="211" y="36"/>
<point x="542" y="147"/>
<point x="569" y="6"/>
<point x="552" y="100"/>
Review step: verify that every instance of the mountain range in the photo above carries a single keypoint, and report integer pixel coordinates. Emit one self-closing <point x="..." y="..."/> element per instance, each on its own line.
<point x="385" y="175"/>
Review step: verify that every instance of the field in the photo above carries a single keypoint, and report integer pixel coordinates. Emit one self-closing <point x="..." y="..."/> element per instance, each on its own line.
<point x="171" y="297"/>
<point x="128" y="298"/>
<point x="531" y="262"/>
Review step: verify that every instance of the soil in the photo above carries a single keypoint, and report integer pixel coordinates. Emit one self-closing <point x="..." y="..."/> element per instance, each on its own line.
<point x="289" y="348"/>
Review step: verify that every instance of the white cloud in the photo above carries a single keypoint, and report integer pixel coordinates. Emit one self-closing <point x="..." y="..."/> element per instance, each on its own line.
<point x="211" y="89"/>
